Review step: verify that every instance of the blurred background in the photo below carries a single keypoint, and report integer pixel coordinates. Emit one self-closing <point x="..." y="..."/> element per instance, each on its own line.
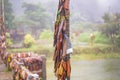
<point x="94" y="28"/>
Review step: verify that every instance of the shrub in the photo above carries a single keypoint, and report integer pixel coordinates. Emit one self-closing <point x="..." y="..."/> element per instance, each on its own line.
<point x="46" y="34"/>
<point x="118" y="41"/>
<point x="8" y="40"/>
<point x="101" y="38"/>
<point x="84" y="37"/>
<point x="28" y="40"/>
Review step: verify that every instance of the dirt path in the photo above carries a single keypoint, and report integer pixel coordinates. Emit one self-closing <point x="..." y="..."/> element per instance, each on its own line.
<point x="4" y="75"/>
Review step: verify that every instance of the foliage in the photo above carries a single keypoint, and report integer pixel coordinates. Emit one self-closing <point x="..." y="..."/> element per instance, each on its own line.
<point x="111" y="27"/>
<point x="101" y="38"/>
<point x="19" y="22"/>
<point x="8" y="40"/>
<point x="8" y="14"/>
<point x="28" y="40"/>
<point x="118" y="41"/>
<point x="84" y="37"/>
<point x="46" y="34"/>
<point x="83" y="26"/>
<point x="36" y="17"/>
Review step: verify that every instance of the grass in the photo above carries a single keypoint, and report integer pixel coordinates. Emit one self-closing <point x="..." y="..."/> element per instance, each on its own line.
<point x="92" y="56"/>
<point x="97" y="48"/>
<point x="99" y="38"/>
<point x="33" y="48"/>
<point x="97" y="51"/>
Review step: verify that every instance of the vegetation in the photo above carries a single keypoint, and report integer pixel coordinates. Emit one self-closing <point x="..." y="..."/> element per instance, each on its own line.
<point x="28" y="40"/>
<point x="84" y="37"/>
<point x="101" y="38"/>
<point x="80" y="53"/>
<point x="8" y="40"/>
<point x="46" y="35"/>
<point x="8" y="14"/>
<point x="36" y="18"/>
<point x="94" y="56"/>
<point x="37" y="21"/>
<point x="111" y="28"/>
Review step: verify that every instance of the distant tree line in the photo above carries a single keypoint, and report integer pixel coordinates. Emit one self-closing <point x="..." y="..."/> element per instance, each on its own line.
<point x="111" y="28"/>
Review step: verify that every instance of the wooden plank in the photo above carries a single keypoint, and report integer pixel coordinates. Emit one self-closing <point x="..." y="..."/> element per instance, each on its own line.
<point x="44" y="67"/>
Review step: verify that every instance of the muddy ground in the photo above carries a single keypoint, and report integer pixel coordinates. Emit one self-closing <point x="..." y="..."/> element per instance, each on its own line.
<point x="4" y="74"/>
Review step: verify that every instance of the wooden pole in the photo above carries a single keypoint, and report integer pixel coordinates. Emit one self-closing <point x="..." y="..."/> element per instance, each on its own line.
<point x="3" y="36"/>
<point x="2" y="18"/>
<point x="62" y="43"/>
<point x="3" y="10"/>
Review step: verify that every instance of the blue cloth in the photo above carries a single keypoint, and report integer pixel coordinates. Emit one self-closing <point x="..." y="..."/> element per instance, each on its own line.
<point x="69" y="45"/>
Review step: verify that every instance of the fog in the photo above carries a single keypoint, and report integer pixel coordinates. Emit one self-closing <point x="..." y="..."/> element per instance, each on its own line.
<point x="83" y="9"/>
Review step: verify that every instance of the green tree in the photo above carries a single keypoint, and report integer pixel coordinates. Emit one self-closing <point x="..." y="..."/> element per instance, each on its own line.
<point x="111" y="27"/>
<point x="36" y="17"/>
<point x="8" y="14"/>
